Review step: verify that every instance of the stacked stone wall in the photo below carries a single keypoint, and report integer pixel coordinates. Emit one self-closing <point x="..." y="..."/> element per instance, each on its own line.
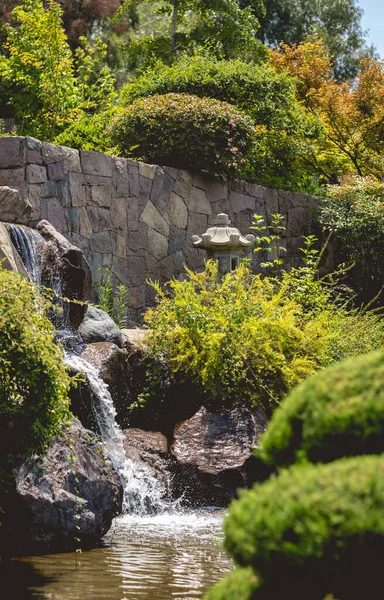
<point x="138" y="219"/>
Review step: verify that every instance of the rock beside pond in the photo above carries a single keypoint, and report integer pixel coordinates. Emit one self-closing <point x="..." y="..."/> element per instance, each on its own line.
<point x="74" y="492"/>
<point x="214" y="453"/>
<point x="149" y="448"/>
<point x="97" y="326"/>
<point x="61" y="261"/>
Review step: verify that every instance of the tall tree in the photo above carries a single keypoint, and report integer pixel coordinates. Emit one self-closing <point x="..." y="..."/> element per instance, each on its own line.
<point x="337" y="22"/>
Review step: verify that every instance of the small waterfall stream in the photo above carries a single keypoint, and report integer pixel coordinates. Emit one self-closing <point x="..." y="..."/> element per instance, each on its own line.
<point x="143" y="494"/>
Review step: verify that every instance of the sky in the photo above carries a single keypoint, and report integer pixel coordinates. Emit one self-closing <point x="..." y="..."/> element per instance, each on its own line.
<point x="373" y="20"/>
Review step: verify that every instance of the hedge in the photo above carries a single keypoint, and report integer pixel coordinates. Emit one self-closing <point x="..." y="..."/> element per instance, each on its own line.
<point x="336" y="412"/>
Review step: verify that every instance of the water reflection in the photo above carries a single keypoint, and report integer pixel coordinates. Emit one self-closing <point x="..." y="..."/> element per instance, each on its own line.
<point x="175" y="556"/>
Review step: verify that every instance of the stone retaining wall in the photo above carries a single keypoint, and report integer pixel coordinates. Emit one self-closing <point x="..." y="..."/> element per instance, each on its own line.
<point x="138" y="219"/>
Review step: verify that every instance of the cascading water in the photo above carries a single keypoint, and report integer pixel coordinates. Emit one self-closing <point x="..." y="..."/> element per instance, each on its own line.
<point x="143" y="493"/>
<point x="27" y="242"/>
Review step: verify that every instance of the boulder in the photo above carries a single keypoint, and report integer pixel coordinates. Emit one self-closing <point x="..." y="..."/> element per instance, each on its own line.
<point x="214" y="454"/>
<point x="64" y="263"/>
<point x="8" y="253"/>
<point x="132" y="339"/>
<point x="14" y="208"/>
<point x="97" y="326"/>
<point x="73" y="492"/>
<point x="151" y="449"/>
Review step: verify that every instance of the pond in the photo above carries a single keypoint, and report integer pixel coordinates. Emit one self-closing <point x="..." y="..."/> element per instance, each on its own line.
<point x="176" y="555"/>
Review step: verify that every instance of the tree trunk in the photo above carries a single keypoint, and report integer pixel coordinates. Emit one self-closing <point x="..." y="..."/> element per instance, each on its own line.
<point x="173" y="26"/>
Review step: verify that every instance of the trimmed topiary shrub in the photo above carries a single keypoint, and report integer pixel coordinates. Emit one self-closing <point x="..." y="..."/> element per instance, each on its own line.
<point x="311" y="530"/>
<point x="337" y="412"/>
<point x="237" y="585"/>
<point x="182" y="131"/>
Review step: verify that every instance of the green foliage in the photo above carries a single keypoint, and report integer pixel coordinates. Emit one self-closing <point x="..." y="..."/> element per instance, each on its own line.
<point x="33" y="383"/>
<point x="87" y="133"/>
<point x="187" y="132"/>
<point x="112" y="300"/>
<point x="46" y="87"/>
<point x="337" y="412"/>
<point x="278" y="157"/>
<point x="354" y="212"/>
<point x="269" y="242"/>
<point x="240" y="584"/>
<point x="313" y="529"/>
<point x="251" y="339"/>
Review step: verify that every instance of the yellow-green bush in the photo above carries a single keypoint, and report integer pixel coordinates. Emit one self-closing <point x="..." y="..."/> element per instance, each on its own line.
<point x="337" y="412"/>
<point x="245" y="339"/>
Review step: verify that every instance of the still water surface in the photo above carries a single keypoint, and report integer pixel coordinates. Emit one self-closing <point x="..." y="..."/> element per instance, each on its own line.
<point x="170" y="556"/>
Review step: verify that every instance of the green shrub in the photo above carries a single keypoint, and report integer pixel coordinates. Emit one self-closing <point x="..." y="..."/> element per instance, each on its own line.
<point x="247" y="338"/>
<point x="87" y="133"/>
<point x="279" y="157"/>
<point x="240" y="584"/>
<point x="337" y="412"/>
<point x="34" y="383"/>
<point x="313" y="529"/>
<point x="355" y="213"/>
<point x="187" y="132"/>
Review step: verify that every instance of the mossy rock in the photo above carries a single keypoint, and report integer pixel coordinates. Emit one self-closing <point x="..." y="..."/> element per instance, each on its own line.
<point x="337" y="412"/>
<point x="313" y="530"/>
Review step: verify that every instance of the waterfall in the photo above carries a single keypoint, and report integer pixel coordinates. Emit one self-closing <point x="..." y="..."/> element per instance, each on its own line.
<point x="28" y="243"/>
<point x="143" y="493"/>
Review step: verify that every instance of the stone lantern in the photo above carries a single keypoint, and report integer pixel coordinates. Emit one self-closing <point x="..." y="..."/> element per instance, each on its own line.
<point x="223" y="243"/>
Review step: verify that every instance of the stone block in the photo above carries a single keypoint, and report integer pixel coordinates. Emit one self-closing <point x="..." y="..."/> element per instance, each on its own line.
<point x="84" y="223"/>
<point x="33" y="151"/>
<point x="11" y="152"/>
<point x="147" y="171"/>
<point x="172" y="172"/>
<point x="137" y="297"/>
<point x="152" y="217"/>
<point x="51" y="153"/>
<point x="178" y="263"/>
<point x="133" y="177"/>
<point x="183" y="185"/>
<point x="197" y="225"/>
<point x="77" y="189"/>
<point x="49" y="189"/>
<point x="55" y="215"/>
<point x="120" y="181"/>
<point x="145" y="186"/>
<point x="217" y="191"/>
<point x="177" y="239"/>
<point x="157" y="244"/>
<point x="162" y="187"/>
<point x="95" y="260"/>
<point x="200" y="181"/>
<point x="243" y="221"/>
<point x="194" y="258"/>
<point x="132" y="214"/>
<point x="72" y="216"/>
<point x="100" y="218"/>
<point x="286" y="201"/>
<point x="94" y="163"/>
<point x="198" y="201"/>
<point x="138" y="240"/>
<point x="271" y="201"/>
<point x="34" y="194"/>
<point x="107" y="260"/>
<point x="298" y="222"/>
<point x="118" y="212"/>
<point x="240" y="186"/>
<point x="167" y="269"/>
<point x="101" y="242"/>
<point x="43" y="212"/>
<point x="64" y="191"/>
<point x="56" y="171"/>
<point x="71" y="159"/>
<point x="153" y="269"/>
<point x="177" y="212"/>
<point x="119" y="246"/>
<point x="240" y="202"/>
<point x="135" y="271"/>
<point x="98" y="190"/>
<point x="12" y="177"/>
<point x="36" y="174"/>
<point x="82" y="243"/>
